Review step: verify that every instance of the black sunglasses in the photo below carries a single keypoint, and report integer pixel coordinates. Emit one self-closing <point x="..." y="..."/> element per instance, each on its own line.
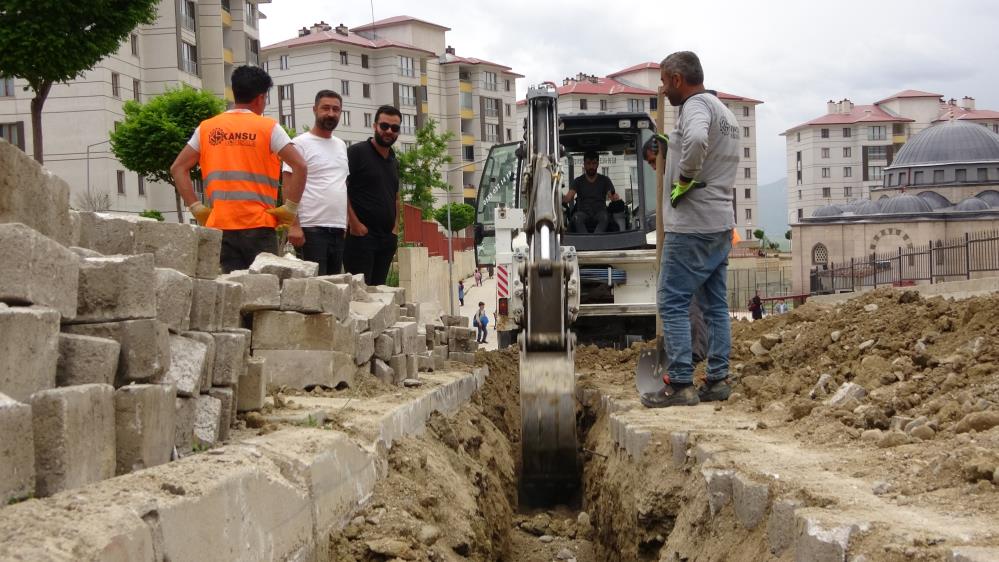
<point x="386" y="126"/>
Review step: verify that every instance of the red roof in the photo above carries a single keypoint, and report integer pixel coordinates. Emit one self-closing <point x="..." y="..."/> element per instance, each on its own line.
<point x="859" y="114"/>
<point x="733" y="97"/>
<point x="910" y="94"/>
<point x="961" y="114"/>
<point x="350" y="39"/>
<point x="395" y="21"/>
<point x="602" y="86"/>
<point x="455" y="59"/>
<point x="637" y="67"/>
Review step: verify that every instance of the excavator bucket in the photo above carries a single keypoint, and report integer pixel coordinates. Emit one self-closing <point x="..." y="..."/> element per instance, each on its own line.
<point x="549" y="455"/>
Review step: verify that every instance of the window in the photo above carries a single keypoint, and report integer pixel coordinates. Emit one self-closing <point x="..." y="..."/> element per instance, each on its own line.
<point x="142" y="185"/>
<point x="877" y="152"/>
<point x="492" y="107"/>
<point x="825" y="153"/>
<point x="468" y="153"/>
<point x="799" y="195"/>
<point x="187" y="10"/>
<point x="344" y="59"/>
<point x="121" y="182"/>
<point x="875" y="173"/>
<point x="745" y="132"/>
<point x="960" y="174"/>
<point x="635" y="105"/>
<point x="983" y="174"/>
<point x="825" y="172"/>
<point x="824" y="133"/>
<point x="847" y="151"/>
<point x="582" y="104"/>
<point x="652" y="104"/>
<point x="284" y="62"/>
<point x="135" y="89"/>
<point x="252" y="16"/>
<point x="364" y="61"/>
<point x="492" y="132"/>
<point x="189" y="58"/>
<point x="745" y="111"/>
<point x="917" y="177"/>
<point x="749" y="234"/>
<point x="345" y="118"/>
<point x="826" y="192"/>
<point x="366" y="90"/>
<point x="877" y="132"/>
<point x="286" y="106"/>
<point x="801" y="214"/>
<point x="288" y="121"/>
<point x="847" y="172"/>
<point x="13" y="133"/>
<point x="745" y="152"/>
<point x="506" y="85"/>
<point x="509" y="135"/>
<point x="408" y="146"/>
<point x="407" y="124"/>
<point x="848" y="192"/>
<point x="407" y="95"/>
<point x="938" y="176"/>
<point x="747" y="173"/>
<point x="6" y="87"/>
<point x="749" y="214"/>
<point x="115" y="85"/>
<point x="406" y="67"/>
<point x="368" y="119"/>
<point x="749" y="193"/>
<point x="133" y="40"/>
<point x="345" y="87"/>
<point x="603" y="105"/>
<point x="847" y="132"/>
<point x="820" y="255"/>
<point x="489" y="81"/>
<point x="799" y="139"/>
<point x="507" y="110"/>
<point x="266" y="66"/>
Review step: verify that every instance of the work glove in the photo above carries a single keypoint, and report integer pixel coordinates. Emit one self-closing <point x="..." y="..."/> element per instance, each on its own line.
<point x="200" y="211"/>
<point x="286" y="213"/>
<point x="680" y="188"/>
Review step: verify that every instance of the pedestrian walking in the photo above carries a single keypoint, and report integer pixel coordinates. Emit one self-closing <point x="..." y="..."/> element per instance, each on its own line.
<point x="478" y="278"/>
<point x="240" y="153"/>
<point x="481" y="321"/>
<point x="756" y="306"/>
<point x="461" y="293"/>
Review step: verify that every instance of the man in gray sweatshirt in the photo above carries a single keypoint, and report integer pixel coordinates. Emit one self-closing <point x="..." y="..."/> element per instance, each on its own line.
<point x="702" y="160"/>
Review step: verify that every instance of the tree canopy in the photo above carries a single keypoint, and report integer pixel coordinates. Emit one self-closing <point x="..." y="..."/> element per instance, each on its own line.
<point x="462" y="215"/>
<point x="422" y="168"/>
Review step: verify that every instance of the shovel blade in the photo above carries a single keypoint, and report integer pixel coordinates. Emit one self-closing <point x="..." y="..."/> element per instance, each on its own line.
<point x="650" y="369"/>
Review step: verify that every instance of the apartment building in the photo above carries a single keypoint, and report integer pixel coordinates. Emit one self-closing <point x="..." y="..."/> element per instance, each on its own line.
<point x="403" y="61"/>
<point x="193" y="42"/>
<point x="634" y="89"/>
<point x="841" y="156"/>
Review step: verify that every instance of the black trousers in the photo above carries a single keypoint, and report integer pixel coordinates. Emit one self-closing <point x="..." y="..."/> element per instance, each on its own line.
<point x="324" y="245"/>
<point x="370" y="255"/>
<point x="240" y="247"/>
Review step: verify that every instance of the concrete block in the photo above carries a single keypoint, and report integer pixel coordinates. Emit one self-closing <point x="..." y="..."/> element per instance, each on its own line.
<point x="227" y="397"/>
<point x="17" y="450"/>
<point x="338" y="279"/>
<point x="781" y="525"/>
<point x="440" y="355"/>
<point x="358" y="289"/>
<point x="336" y="299"/>
<point x="230" y="357"/>
<point x="145" y="419"/>
<point x="207" y="413"/>
<point x="252" y="387"/>
<point x="106" y="234"/>
<point x="114" y="288"/>
<point x="209" y="252"/>
<point x="187" y="365"/>
<point x="29" y="350"/>
<point x="204" y="306"/>
<point x="84" y="252"/>
<point x="384" y="347"/>
<point x="183" y="432"/>
<point x="382" y="371"/>
<point x="396" y="336"/>
<point x="409" y="332"/>
<point x="86" y="360"/>
<point x="379" y="315"/>
<point x="456" y="321"/>
<point x="344" y="339"/>
<point x="293" y="330"/>
<point x="400" y="369"/>
<point x="412" y="366"/>
<point x="231" y="305"/>
<point x="816" y="543"/>
<point x="31" y="195"/>
<point x="74" y="229"/>
<point x="284" y="268"/>
<point x="302" y="295"/>
<point x="750" y="500"/>
<point x="261" y="291"/>
<point x="425" y="363"/>
<point x="357" y="322"/>
<point x="364" y="347"/>
<point x="172" y="244"/>
<point x="719" y="487"/>
<point x="74" y="432"/>
<point x="845" y="393"/>
<point x="462" y="357"/>
<point x="305" y="369"/>
<point x="37" y="270"/>
<point x="396" y="295"/>
<point x="208" y="341"/>
<point x="174" y="292"/>
<point x="145" y="346"/>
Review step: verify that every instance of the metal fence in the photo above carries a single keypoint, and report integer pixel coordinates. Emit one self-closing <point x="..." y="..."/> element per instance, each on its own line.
<point x="943" y="260"/>
<point x="769" y="281"/>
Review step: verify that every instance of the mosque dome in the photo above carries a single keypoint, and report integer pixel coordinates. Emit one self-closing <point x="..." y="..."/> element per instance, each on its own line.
<point x="948" y="143"/>
<point x="828" y="211"/>
<point x="935" y="200"/>
<point x="904" y="204"/>
<point x="972" y="204"/>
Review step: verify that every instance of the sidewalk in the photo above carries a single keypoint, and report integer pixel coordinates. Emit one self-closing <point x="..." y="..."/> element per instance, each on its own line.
<point x="487" y="294"/>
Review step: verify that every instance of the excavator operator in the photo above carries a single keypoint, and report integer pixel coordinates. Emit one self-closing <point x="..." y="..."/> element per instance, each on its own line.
<point x="591" y="191"/>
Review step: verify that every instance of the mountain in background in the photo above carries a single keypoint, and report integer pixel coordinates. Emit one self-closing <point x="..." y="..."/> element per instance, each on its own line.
<point x="772" y="209"/>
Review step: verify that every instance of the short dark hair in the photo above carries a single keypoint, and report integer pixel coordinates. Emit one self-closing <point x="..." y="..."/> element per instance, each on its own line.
<point x="650" y="145"/>
<point x="482" y="303"/>
<point x="388" y="110"/>
<point x="248" y="82"/>
<point x="591" y="155"/>
<point x="686" y="64"/>
<point x="328" y="94"/>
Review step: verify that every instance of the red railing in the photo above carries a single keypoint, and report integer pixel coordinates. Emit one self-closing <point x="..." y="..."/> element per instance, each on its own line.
<point x="427" y="233"/>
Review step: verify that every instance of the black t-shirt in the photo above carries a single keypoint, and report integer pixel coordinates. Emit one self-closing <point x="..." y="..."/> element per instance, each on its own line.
<point x="373" y="186"/>
<point x="591" y="197"/>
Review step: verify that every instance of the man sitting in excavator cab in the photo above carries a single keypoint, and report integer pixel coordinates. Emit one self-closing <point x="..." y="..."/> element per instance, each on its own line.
<point x="591" y="191"/>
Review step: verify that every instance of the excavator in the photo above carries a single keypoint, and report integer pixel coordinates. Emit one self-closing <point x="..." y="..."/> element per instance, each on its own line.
<point x="554" y="284"/>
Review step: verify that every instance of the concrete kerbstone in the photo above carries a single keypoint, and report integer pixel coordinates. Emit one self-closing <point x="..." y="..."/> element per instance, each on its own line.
<point x="230" y="357"/>
<point x="409" y="332"/>
<point x="205" y="306"/>
<point x="382" y="371"/>
<point x="378" y="315"/>
<point x="781" y="528"/>
<point x="293" y="330"/>
<point x="208" y="341"/>
<point x="145" y="419"/>
<point x="209" y="252"/>
<point x="364" y="347"/>
<point x="29" y="350"/>
<point x="86" y="360"/>
<point x="384" y="347"/>
<point x="400" y="368"/>
<point x="107" y="234"/>
<point x="252" y="388"/>
<point x="719" y="486"/>
<point x="336" y="298"/>
<point x="232" y="305"/>
<point x="302" y="295"/>
<point x="207" y="413"/>
<point x="74" y="433"/>
<point x="397" y="294"/>
<point x="344" y="338"/>
<point x="184" y="414"/>
<point x="17" y="450"/>
<point x="261" y="291"/>
<point x="283" y="268"/>
<point x="305" y="369"/>
<point x="38" y="270"/>
<point x="815" y="542"/>
<point x="227" y="398"/>
<point x="174" y="294"/>
<point x="114" y="288"/>
<point x="145" y="346"/>
<point x="173" y="245"/>
<point x="187" y="365"/>
<point x="31" y="195"/>
<point x="750" y="500"/>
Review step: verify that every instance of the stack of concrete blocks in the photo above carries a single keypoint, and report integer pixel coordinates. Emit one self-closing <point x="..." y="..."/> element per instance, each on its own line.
<point x="427" y="279"/>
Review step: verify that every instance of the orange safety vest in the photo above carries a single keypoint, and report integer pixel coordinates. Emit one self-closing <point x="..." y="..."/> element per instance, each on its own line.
<point x="240" y="172"/>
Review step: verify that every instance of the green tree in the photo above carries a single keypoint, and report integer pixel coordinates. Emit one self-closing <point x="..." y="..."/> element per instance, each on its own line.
<point x="50" y="41"/>
<point x="787" y="235"/>
<point x="759" y="234"/>
<point x="421" y="169"/>
<point x="153" y="133"/>
<point x="462" y="215"/>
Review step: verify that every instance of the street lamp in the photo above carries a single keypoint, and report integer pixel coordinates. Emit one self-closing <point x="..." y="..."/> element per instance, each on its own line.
<point x="450" y="233"/>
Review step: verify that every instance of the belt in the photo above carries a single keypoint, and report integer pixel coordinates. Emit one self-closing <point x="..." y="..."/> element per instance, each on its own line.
<point x="331" y="229"/>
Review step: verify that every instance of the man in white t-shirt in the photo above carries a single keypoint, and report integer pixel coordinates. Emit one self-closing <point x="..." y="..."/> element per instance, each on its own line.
<point x="322" y="213"/>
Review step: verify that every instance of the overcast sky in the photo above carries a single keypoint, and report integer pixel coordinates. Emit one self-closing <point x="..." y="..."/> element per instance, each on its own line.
<point x="793" y="55"/>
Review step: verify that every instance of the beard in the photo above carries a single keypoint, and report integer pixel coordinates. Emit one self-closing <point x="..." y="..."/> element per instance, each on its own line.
<point x="328" y="123"/>
<point x="591" y="174"/>
<point x="380" y="139"/>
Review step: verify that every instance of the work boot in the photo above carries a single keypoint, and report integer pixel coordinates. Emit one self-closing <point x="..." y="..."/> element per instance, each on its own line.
<point x="671" y="395"/>
<point x="714" y="391"/>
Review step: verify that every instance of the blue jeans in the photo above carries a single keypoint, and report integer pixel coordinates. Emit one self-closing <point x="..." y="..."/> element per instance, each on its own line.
<point x="695" y="264"/>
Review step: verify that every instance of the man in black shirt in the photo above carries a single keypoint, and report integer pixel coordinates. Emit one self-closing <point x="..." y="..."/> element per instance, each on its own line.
<point x="591" y="191"/>
<point x="373" y="200"/>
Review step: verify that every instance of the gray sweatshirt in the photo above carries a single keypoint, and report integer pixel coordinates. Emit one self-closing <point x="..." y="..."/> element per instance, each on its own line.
<point x="704" y="146"/>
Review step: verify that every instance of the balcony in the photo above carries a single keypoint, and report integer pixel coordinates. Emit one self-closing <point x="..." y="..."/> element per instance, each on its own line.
<point x="226" y="18"/>
<point x="229" y="96"/>
<point x="227" y="55"/>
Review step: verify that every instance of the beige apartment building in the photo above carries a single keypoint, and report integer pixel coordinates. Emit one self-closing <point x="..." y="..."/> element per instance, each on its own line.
<point x="841" y="157"/>
<point x="634" y="89"/>
<point x="193" y="42"/>
<point x="403" y="61"/>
